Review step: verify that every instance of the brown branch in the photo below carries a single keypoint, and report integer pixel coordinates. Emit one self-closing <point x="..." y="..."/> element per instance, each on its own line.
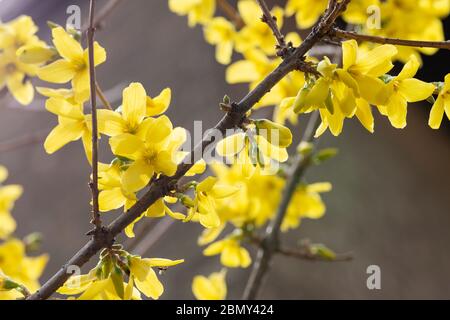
<point x="270" y="244"/>
<point x="102" y="97"/>
<point x="162" y="186"/>
<point x="231" y="13"/>
<point x="401" y="42"/>
<point x="270" y="20"/>
<point x="94" y="182"/>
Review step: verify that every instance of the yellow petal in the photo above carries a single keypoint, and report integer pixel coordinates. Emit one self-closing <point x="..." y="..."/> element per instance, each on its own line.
<point x="164" y="163"/>
<point x="126" y="145"/>
<point x="63" y="108"/>
<point x="241" y="71"/>
<point x="21" y="90"/>
<point x="415" y="90"/>
<point x="110" y="122"/>
<point x="63" y="134"/>
<point x="349" y="51"/>
<point x="111" y="199"/>
<point x="160" y="262"/>
<point x="60" y="71"/>
<point x="231" y="145"/>
<point x="66" y="45"/>
<point x="159" y="104"/>
<point x="436" y="113"/>
<point x="134" y="103"/>
<point x="409" y="69"/>
<point x="364" y="114"/>
<point x="159" y="129"/>
<point x="137" y="176"/>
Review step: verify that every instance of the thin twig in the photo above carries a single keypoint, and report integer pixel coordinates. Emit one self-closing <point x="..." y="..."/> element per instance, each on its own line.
<point x="304" y="254"/>
<point x="102" y="97"/>
<point x="162" y="186"/>
<point x="94" y="182"/>
<point x="231" y="13"/>
<point x="102" y="15"/>
<point x="270" y="20"/>
<point x="382" y="40"/>
<point x="270" y="244"/>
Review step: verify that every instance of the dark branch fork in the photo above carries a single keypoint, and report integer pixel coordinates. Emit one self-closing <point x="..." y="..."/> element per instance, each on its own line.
<point x="270" y="20"/>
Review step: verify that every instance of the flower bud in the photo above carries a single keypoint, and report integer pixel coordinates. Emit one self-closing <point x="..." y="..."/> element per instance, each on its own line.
<point x="275" y="130"/>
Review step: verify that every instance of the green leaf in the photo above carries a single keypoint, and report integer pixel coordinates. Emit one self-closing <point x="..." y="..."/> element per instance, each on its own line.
<point x="324" y="155"/>
<point x="117" y="279"/>
<point x="322" y="251"/>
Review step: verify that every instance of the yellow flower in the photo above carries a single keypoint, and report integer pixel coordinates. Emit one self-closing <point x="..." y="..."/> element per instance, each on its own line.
<point x="442" y="103"/>
<point x="254" y="150"/>
<point x="256" y="201"/>
<point x="136" y="106"/>
<point x="306" y="203"/>
<point x="20" y="268"/>
<point x="207" y="193"/>
<point x="361" y="70"/>
<point x="112" y="195"/>
<point x="145" y="277"/>
<point x="72" y="125"/>
<point x="198" y="11"/>
<point x="403" y="89"/>
<point x="153" y="154"/>
<point x="212" y="288"/>
<point x="221" y="33"/>
<point x="231" y="253"/>
<point x="15" y="73"/>
<point x="255" y="33"/>
<point x="74" y="65"/>
<point x="8" y="195"/>
<point x="306" y="11"/>
<point x="93" y="287"/>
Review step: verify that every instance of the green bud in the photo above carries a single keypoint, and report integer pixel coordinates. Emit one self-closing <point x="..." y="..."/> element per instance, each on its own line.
<point x="322" y="251"/>
<point x="324" y="155"/>
<point x="299" y="102"/>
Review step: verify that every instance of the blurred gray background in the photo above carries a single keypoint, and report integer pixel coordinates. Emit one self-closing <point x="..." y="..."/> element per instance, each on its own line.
<point x="389" y="205"/>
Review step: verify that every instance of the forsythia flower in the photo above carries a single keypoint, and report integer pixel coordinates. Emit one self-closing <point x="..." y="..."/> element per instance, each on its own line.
<point x="112" y="195"/>
<point x="153" y="154"/>
<point x="8" y="195"/>
<point x="15" y="73"/>
<point x="106" y="280"/>
<point x="221" y="33"/>
<point x="256" y="150"/>
<point x="305" y="203"/>
<point x="136" y="106"/>
<point x="145" y="277"/>
<point x="73" y="124"/>
<point x="198" y="11"/>
<point x="306" y="11"/>
<point x="231" y="253"/>
<point x="212" y="288"/>
<point x="74" y="65"/>
<point x="442" y="103"/>
<point x="255" y="33"/>
<point x="20" y="268"/>
<point x="207" y="193"/>
<point x="403" y="89"/>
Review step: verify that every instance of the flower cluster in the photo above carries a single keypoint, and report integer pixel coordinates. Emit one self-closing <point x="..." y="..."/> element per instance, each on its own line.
<point x="19" y="273"/>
